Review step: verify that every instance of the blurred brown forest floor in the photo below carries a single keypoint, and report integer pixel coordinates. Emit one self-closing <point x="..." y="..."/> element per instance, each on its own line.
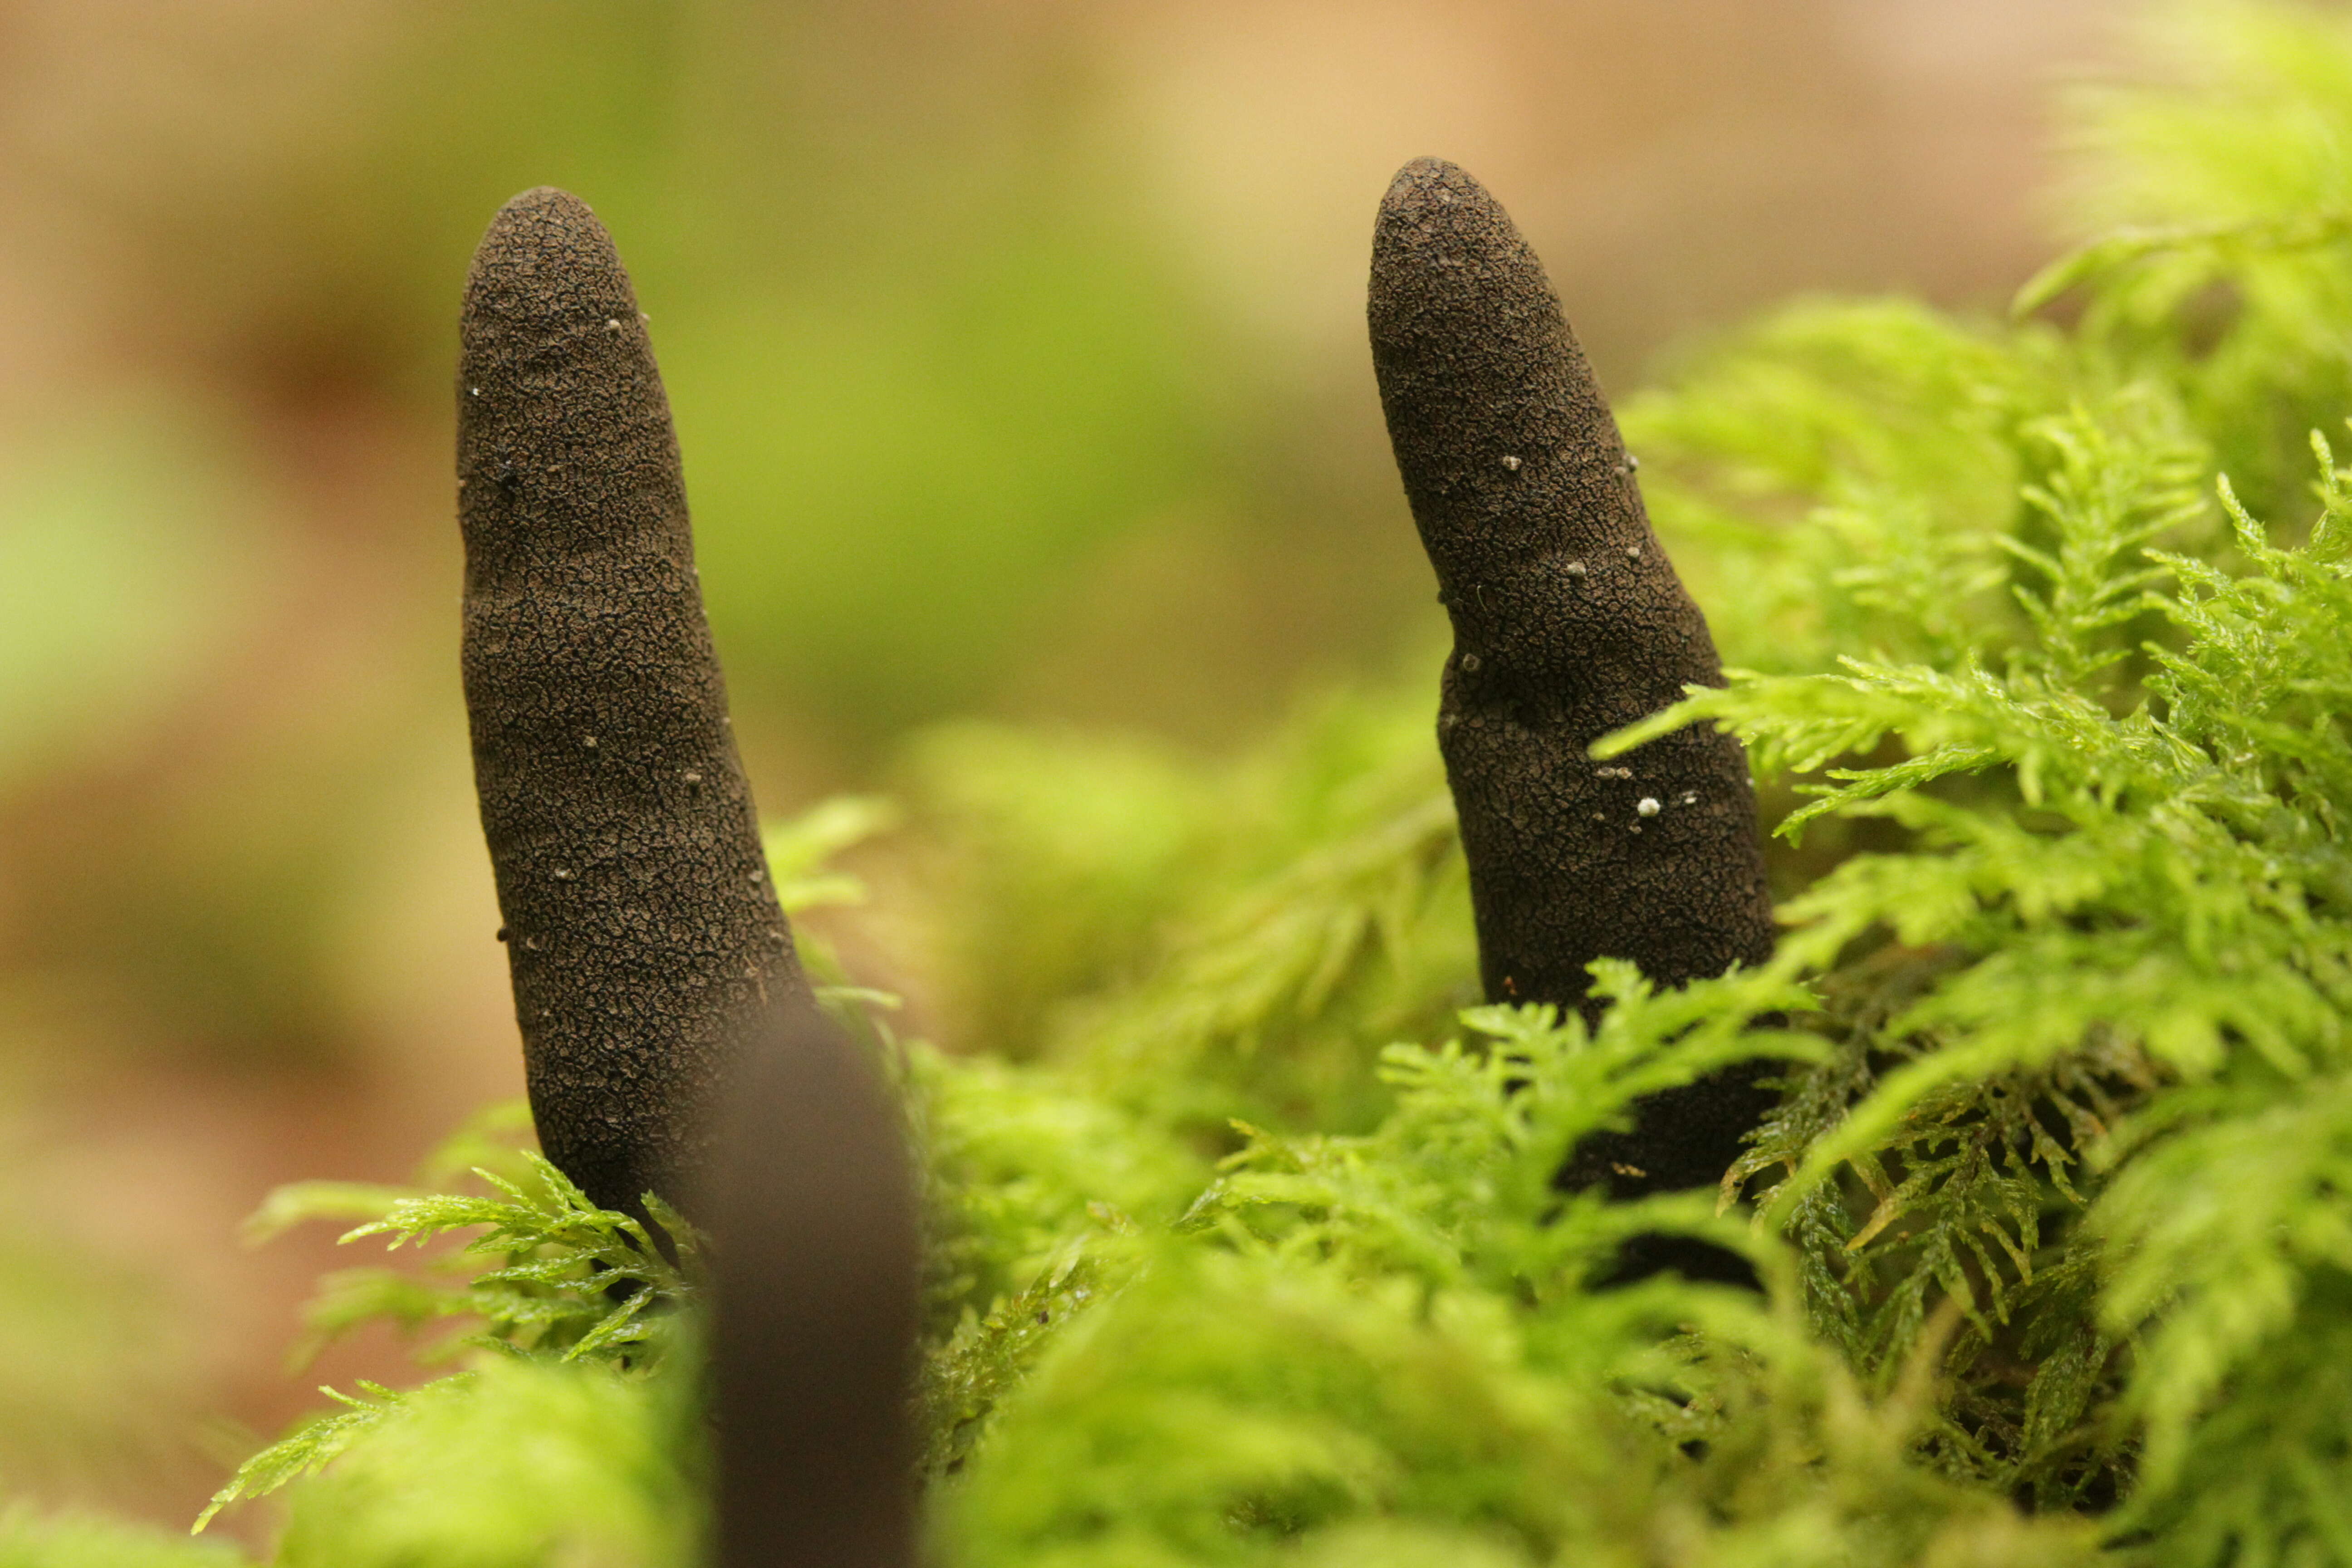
<point x="1016" y="349"/>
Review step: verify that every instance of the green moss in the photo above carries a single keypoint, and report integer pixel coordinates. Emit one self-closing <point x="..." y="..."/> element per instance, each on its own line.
<point x="31" y="1541"/>
<point x="519" y="1463"/>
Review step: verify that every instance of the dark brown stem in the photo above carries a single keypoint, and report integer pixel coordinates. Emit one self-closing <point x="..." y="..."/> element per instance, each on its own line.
<point x="1568" y="622"/>
<point x="639" y="923"/>
<point x="816" y="1281"/>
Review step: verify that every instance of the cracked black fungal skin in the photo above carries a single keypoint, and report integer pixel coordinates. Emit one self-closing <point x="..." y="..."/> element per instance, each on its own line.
<point x="640" y="925"/>
<point x="1568" y="622"/>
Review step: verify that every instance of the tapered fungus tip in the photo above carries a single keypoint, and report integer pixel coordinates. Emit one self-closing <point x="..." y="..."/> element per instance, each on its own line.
<point x="541" y="210"/>
<point x="1435" y="217"/>
<point x="544" y="197"/>
<point x="545" y="252"/>
<point x="554" y="359"/>
<point x="1501" y="435"/>
<point x="1433" y="180"/>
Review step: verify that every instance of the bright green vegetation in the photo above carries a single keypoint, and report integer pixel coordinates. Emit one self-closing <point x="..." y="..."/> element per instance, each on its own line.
<point x="2045" y="631"/>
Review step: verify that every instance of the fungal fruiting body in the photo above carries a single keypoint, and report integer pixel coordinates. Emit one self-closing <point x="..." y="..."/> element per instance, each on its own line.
<point x="1569" y="623"/>
<point x="639" y="923"/>
<point x="815" y="1278"/>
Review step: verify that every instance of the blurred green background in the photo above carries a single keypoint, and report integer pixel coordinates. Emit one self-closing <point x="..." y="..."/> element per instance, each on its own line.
<point x="1016" y="347"/>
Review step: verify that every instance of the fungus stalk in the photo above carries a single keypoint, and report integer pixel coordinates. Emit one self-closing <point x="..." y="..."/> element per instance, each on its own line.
<point x="817" y="1282"/>
<point x="639" y="923"/>
<point x="1569" y="623"/>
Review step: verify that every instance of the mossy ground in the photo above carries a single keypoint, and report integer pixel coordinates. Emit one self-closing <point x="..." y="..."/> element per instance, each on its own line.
<point x="2047" y="630"/>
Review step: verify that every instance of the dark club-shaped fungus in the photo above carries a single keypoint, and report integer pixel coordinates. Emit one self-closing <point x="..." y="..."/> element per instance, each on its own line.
<point x="817" y="1270"/>
<point x="1568" y="622"/>
<point x="639" y="923"/>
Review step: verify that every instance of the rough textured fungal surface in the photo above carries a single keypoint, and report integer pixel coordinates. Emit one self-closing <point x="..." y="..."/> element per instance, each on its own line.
<point x="640" y="924"/>
<point x="815" y="1287"/>
<point x="1568" y="622"/>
